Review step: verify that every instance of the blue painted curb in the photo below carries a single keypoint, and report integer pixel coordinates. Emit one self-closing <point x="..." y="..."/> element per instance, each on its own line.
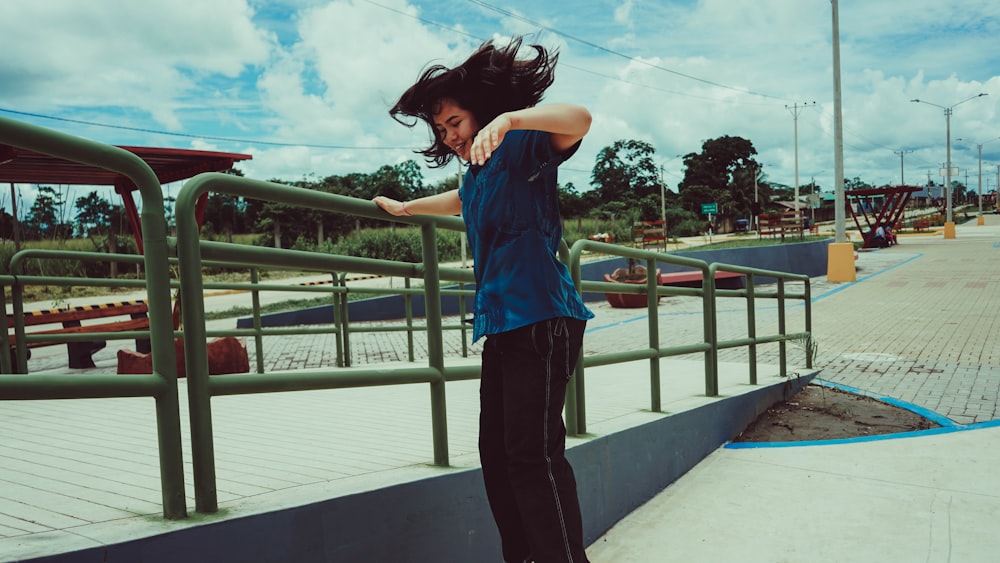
<point x="947" y="426"/>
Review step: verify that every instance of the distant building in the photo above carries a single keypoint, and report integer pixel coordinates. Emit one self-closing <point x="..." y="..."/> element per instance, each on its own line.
<point x="929" y="195"/>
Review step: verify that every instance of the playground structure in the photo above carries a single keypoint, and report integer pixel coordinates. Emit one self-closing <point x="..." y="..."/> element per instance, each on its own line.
<point x="877" y="206"/>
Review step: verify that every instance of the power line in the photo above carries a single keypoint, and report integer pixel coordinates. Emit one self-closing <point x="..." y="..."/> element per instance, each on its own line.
<point x="192" y="136"/>
<point x="562" y="63"/>
<point x="616" y="53"/>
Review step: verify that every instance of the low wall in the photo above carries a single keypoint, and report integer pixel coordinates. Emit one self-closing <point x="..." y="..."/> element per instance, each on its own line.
<point x="447" y="518"/>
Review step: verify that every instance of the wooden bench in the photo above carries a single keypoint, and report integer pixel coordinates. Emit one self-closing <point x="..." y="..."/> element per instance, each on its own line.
<point x="921" y="224"/>
<point x="779" y="224"/>
<point x="80" y="353"/>
<point x="645" y="232"/>
<point x="723" y="280"/>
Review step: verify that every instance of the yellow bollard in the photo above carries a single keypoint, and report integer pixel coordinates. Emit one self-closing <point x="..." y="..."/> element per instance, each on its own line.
<point x="949" y="229"/>
<point x="981" y="221"/>
<point x="840" y="262"/>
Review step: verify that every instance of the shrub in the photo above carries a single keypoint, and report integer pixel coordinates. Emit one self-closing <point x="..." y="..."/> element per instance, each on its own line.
<point x="401" y="244"/>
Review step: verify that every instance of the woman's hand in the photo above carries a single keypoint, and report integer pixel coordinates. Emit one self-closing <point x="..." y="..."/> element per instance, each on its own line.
<point x="489" y="138"/>
<point x="391" y="206"/>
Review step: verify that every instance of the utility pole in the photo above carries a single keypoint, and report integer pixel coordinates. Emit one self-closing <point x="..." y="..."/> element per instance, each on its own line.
<point x="901" y="152"/>
<point x="663" y="207"/>
<point x="840" y="255"/>
<point x="756" y="197"/>
<point x="795" y="109"/>
<point x="15" y="224"/>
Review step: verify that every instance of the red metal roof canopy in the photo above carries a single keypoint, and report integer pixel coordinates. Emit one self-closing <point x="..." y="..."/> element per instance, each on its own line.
<point x="170" y="165"/>
<point x="889" y="212"/>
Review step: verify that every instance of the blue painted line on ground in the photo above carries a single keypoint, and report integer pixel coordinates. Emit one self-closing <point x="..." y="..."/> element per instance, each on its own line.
<point x="868" y="277"/>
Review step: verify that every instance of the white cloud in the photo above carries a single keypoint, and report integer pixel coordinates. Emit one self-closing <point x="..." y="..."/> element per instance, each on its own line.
<point x="623" y="13"/>
<point x="324" y="73"/>
<point x="141" y="54"/>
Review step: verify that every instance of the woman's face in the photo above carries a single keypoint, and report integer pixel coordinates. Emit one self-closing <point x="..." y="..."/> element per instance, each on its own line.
<point x="456" y="127"/>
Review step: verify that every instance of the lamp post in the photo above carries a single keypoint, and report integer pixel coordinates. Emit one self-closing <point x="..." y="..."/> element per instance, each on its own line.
<point x="979" y="146"/>
<point x="947" y="184"/>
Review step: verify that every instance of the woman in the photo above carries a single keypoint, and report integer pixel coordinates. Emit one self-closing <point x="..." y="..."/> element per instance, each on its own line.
<point x="484" y="111"/>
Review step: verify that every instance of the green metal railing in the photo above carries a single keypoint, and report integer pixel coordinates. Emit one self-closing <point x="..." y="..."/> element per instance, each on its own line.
<point x="201" y="388"/>
<point x="192" y="254"/>
<point x="576" y="396"/>
<point x="161" y="385"/>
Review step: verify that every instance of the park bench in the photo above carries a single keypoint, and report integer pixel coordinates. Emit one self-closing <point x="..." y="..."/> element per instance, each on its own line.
<point x="921" y="224"/>
<point x="646" y="232"/>
<point x="80" y="353"/>
<point x="779" y="225"/>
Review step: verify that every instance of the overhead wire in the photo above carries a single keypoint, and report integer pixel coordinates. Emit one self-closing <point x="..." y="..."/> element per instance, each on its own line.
<point x="194" y="136"/>
<point x="591" y="44"/>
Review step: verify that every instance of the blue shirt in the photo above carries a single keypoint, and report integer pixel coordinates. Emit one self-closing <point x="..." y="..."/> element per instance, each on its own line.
<point x="511" y="210"/>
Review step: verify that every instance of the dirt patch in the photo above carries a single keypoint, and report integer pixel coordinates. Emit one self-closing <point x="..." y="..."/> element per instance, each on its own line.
<point x="822" y="413"/>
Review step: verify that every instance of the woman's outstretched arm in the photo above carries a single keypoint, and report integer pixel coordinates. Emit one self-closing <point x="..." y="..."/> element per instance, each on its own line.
<point x="446" y="203"/>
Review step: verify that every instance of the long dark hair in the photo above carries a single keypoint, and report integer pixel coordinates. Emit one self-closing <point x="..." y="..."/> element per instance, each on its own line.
<point x="490" y="82"/>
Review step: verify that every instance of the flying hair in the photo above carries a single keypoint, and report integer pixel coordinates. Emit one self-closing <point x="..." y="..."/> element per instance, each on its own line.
<point x="493" y="80"/>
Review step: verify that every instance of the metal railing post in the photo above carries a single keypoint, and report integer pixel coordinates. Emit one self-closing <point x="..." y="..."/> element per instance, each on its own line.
<point x="435" y="343"/>
<point x="338" y="297"/>
<point x="154" y="238"/>
<point x="808" y="322"/>
<point x="711" y="338"/>
<point x="653" y="298"/>
<point x="345" y="319"/>
<point x="711" y="332"/>
<point x="258" y="338"/>
<point x="576" y="402"/>
<point x="408" y="307"/>
<point x="196" y="347"/>
<point x="752" y="327"/>
<point x="782" y="347"/>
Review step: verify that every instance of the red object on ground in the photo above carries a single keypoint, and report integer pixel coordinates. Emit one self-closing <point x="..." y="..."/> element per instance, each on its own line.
<point x="225" y="355"/>
<point x="723" y="280"/>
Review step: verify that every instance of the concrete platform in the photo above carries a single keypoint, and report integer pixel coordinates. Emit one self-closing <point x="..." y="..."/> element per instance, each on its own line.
<point x="920" y="325"/>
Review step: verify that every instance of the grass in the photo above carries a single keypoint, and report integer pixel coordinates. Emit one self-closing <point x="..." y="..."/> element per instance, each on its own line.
<point x="279" y="307"/>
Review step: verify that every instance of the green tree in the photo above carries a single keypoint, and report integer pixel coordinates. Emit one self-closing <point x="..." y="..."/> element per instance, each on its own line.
<point x="93" y="215"/>
<point x="856" y="184"/>
<point x="43" y="217"/>
<point x="571" y="202"/>
<point x="625" y="172"/>
<point x="721" y="173"/>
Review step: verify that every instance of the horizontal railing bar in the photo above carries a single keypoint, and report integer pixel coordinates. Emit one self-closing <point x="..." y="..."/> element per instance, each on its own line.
<point x="80" y="386"/>
<point x="272" y="382"/>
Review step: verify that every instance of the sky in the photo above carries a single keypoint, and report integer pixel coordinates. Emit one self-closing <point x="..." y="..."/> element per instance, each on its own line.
<point x="304" y="86"/>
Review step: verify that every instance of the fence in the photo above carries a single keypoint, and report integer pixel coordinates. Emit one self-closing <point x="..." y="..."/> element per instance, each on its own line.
<point x="192" y="254"/>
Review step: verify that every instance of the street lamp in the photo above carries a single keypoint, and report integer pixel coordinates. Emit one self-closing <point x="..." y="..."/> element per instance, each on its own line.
<point x="980" y="147"/>
<point x="947" y="183"/>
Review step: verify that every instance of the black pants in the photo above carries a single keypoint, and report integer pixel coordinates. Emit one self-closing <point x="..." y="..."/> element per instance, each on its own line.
<point x="522" y="441"/>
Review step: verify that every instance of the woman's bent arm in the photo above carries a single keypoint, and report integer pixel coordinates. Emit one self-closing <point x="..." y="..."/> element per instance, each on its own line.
<point x="567" y="124"/>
